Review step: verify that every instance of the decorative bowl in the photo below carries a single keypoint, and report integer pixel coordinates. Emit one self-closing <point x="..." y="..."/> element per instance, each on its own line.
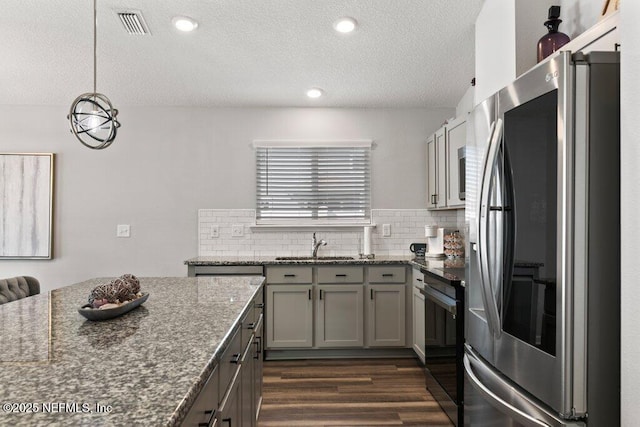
<point x="109" y="313"/>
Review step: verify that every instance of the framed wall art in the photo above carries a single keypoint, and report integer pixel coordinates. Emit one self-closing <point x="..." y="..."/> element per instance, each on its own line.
<point x="26" y="205"/>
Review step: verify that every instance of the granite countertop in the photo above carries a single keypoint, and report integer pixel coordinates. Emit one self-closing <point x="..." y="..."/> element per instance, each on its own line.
<point x="148" y="365"/>
<point x="448" y="269"/>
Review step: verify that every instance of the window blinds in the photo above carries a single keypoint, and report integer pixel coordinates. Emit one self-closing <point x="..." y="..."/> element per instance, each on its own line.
<point x="324" y="184"/>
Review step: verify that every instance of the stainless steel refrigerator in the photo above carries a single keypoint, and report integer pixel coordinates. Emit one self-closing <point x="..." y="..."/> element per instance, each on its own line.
<point x="543" y="273"/>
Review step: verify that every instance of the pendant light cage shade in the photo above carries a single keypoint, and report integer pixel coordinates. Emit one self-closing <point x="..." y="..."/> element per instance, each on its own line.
<point x="92" y="117"/>
<point x="93" y="120"/>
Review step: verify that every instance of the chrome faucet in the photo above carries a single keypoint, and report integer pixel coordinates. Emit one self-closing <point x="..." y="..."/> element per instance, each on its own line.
<point x="315" y="245"/>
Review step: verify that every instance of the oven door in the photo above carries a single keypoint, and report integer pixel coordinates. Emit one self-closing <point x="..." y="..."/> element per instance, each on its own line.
<point x="443" y="348"/>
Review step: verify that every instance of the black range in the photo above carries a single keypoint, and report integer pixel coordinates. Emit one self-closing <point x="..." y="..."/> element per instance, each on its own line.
<point x="444" y="337"/>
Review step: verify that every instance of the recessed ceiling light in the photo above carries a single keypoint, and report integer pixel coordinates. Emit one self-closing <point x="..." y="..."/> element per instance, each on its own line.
<point x="345" y="25"/>
<point x="184" y="23"/>
<point x="314" y="92"/>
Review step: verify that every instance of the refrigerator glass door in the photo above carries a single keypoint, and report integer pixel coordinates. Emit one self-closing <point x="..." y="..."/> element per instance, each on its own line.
<point x="535" y="163"/>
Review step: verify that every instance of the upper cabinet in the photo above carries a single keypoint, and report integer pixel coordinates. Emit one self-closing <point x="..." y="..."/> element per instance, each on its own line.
<point x="445" y="170"/>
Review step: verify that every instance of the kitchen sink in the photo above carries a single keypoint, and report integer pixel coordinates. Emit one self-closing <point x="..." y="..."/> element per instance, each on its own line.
<point x="308" y="258"/>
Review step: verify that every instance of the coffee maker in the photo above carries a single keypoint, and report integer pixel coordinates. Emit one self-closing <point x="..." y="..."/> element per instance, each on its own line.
<point x="435" y="241"/>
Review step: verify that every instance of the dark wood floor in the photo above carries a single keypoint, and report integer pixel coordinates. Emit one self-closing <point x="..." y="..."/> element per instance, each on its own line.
<point x="353" y="392"/>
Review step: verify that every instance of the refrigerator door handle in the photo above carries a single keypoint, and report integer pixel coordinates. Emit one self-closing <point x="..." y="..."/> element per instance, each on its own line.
<point x="484" y="261"/>
<point x="515" y="413"/>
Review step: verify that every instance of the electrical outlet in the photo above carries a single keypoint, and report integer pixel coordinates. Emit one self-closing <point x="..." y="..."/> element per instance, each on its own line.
<point x="386" y="230"/>
<point x="215" y="231"/>
<point x="237" y="230"/>
<point x="123" y="230"/>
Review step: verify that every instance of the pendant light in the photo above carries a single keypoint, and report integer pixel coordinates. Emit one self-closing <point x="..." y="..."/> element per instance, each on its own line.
<point x="92" y="117"/>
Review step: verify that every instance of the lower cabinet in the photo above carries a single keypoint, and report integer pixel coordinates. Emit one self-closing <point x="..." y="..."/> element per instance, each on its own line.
<point x="233" y="393"/>
<point x="230" y="413"/>
<point x="386" y="316"/>
<point x="289" y="316"/>
<point x="339" y="316"/>
<point x="418" y="324"/>
<point x="336" y="307"/>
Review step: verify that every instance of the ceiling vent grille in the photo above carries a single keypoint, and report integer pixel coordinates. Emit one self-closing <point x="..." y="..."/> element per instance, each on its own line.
<point x="133" y="22"/>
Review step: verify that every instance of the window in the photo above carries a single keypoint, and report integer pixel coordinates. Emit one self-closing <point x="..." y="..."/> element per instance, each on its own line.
<point x="313" y="184"/>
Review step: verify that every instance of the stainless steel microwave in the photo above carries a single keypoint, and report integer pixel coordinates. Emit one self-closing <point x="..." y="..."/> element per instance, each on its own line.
<point x="462" y="163"/>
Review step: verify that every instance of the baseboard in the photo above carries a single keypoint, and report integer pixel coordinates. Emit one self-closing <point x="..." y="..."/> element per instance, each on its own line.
<point x="356" y="353"/>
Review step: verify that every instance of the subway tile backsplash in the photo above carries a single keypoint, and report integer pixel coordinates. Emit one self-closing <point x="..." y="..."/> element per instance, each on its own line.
<point x="407" y="226"/>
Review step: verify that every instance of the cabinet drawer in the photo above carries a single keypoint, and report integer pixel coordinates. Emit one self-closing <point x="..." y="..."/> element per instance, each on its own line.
<point x="289" y="274"/>
<point x="387" y="274"/>
<point x="230" y="362"/>
<point x="338" y="274"/>
<point x="204" y="408"/>
<point x="418" y="278"/>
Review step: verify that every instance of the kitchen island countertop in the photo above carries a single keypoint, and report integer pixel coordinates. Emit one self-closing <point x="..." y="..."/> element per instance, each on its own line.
<point x="143" y="368"/>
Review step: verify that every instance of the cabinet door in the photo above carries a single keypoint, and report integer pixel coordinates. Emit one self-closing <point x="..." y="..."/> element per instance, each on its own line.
<point x="339" y="316"/>
<point x="289" y="316"/>
<point x="247" y="367"/>
<point x="258" y="364"/>
<point x="386" y="316"/>
<point x="433" y="324"/>
<point x="418" y="323"/>
<point x="456" y="138"/>
<point x="432" y="173"/>
<point x="441" y="146"/>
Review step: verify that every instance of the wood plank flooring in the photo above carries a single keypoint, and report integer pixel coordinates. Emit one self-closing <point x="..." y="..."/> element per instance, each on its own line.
<point x="345" y="393"/>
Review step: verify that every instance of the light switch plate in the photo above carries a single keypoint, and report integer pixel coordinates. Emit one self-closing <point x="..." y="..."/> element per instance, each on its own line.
<point x="123" y="230"/>
<point x="215" y="231"/>
<point x="386" y="230"/>
<point x="237" y="230"/>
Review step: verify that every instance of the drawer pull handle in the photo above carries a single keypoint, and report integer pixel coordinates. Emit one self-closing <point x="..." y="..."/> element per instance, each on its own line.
<point x="251" y="326"/>
<point x="236" y="359"/>
<point x="258" y="343"/>
<point x="341" y="275"/>
<point x="387" y="274"/>
<point x="260" y="305"/>
<point x="289" y="275"/>
<point x="309" y="294"/>
<point x="418" y="279"/>
<point x="212" y="414"/>
<point x="371" y="293"/>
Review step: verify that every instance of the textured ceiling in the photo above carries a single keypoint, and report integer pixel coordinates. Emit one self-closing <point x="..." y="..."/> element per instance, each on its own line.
<point x="405" y="53"/>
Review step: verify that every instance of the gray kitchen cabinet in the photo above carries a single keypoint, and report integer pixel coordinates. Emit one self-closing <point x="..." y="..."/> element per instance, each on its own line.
<point x="232" y="394"/>
<point x="339" y="316"/>
<point x="335" y="311"/>
<point x="205" y="408"/>
<point x="230" y="412"/>
<point x="456" y="131"/>
<point x="418" y="342"/>
<point x="289" y="316"/>
<point x="443" y="170"/>
<point x="258" y="354"/>
<point x="386" y="315"/>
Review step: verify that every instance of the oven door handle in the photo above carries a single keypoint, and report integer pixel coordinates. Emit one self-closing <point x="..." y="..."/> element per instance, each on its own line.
<point x="439" y="298"/>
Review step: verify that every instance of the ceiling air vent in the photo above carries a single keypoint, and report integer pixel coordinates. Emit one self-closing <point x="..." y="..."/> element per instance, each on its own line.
<point x="133" y="22"/>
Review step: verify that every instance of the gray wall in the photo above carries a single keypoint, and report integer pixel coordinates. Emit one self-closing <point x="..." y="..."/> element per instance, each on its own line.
<point x="630" y="174"/>
<point x="168" y="162"/>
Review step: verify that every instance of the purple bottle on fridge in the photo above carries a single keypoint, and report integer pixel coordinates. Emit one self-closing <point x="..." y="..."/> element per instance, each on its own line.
<point x="554" y="40"/>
